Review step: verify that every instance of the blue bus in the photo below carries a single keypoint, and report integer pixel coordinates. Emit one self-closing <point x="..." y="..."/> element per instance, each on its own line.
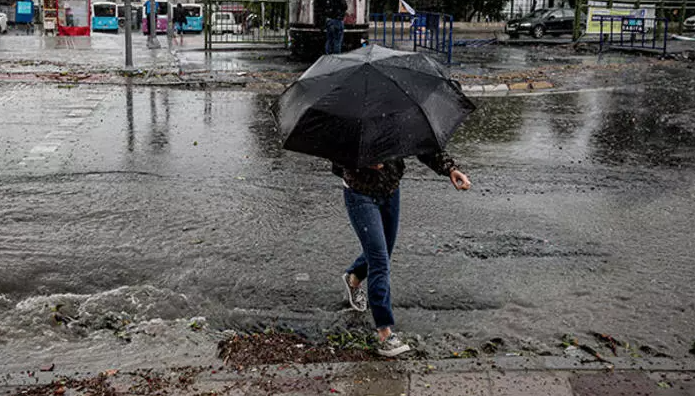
<point x="104" y="17"/>
<point x="194" y="18"/>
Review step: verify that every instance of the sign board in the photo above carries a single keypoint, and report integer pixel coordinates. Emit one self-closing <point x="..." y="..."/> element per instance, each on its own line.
<point x="633" y="25"/>
<point x="24" y="12"/>
<point x="593" y="23"/>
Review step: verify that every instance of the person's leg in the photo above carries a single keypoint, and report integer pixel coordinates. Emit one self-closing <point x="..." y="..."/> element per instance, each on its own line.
<point x="329" y="36"/>
<point x="389" y="216"/>
<point x="365" y="217"/>
<point x="340" y="32"/>
<point x="359" y="268"/>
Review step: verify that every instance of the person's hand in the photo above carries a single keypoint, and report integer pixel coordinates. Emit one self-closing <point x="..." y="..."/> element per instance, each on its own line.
<point x="459" y="180"/>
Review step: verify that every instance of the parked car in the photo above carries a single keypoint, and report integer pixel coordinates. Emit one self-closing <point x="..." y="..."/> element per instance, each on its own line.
<point x="689" y="24"/>
<point x="225" y="22"/>
<point x="555" y="21"/>
<point x="3" y="23"/>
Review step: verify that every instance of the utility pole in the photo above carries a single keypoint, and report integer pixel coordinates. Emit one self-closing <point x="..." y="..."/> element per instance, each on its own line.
<point x="152" y="42"/>
<point x="128" y="35"/>
<point x="576" y="32"/>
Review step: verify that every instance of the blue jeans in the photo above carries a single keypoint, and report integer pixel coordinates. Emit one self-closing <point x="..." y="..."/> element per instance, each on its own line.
<point x="334" y="36"/>
<point x="375" y="221"/>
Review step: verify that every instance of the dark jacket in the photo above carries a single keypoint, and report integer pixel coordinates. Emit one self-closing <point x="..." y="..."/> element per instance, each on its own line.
<point x="179" y="15"/>
<point x="335" y="9"/>
<point x="384" y="182"/>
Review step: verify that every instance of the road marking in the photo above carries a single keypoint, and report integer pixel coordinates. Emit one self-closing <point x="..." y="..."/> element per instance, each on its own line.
<point x="66" y="127"/>
<point x="80" y="113"/>
<point x="44" y="148"/>
<point x="58" y="135"/>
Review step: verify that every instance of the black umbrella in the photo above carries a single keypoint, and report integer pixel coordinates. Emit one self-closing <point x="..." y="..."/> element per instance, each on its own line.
<point x="369" y="105"/>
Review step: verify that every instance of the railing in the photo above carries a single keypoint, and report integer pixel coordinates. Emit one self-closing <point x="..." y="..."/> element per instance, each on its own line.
<point x="644" y="33"/>
<point x="675" y="11"/>
<point x="434" y="32"/>
<point x="430" y="31"/>
<point x="246" y="22"/>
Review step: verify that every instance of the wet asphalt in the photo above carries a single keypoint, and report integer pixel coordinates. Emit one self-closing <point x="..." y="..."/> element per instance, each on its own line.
<point x="579" y="220"/>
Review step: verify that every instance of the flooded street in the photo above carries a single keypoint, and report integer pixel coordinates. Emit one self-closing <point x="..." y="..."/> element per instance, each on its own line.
<point x="123" y="203"/>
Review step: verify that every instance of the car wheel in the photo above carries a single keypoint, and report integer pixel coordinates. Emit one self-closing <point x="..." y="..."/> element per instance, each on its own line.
<point x="514" y="35"/>
<point x="538" y="31"/>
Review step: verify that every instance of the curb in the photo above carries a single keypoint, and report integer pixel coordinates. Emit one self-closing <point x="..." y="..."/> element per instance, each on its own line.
<point x="538" y="364"/>
<point x="501" y="88"/>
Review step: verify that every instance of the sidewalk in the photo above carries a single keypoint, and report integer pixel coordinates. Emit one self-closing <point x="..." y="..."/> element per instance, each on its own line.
<point x="504" y="376"/>
<point x="100" y="52"/>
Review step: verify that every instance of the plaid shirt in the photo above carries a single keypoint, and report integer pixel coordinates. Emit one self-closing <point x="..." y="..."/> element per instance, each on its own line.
<point x="385" y="181"/>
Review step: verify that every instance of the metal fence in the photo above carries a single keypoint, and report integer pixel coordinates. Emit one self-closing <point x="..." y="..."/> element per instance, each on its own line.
<point x="674" y="12"/>
<point x="429" y="31"/>
<point x="642" y="33"/>
<point x="246" y="22"/>
<point x="391" y="29"/>
<point x="434" y="32"/>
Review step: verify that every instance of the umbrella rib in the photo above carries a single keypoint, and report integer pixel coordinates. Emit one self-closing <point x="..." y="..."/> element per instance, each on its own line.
<point x="313" y="103"/>
<point x="424" y="113"/>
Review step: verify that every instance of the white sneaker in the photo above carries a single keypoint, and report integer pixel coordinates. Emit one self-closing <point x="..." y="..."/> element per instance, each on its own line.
<point x="392" y="346"/>
<point x="356" y="295"/>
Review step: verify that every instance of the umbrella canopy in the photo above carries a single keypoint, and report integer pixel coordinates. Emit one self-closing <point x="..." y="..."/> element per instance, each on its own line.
<point x="369" y="105"/>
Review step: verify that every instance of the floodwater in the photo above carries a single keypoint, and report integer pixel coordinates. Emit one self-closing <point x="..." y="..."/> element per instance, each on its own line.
<point x="129" y="211"/>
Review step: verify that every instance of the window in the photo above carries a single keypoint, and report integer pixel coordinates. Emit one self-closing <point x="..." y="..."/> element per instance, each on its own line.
<point x="104" y="10"/>
<point x="162" y="8"/>
<point x="192" y="11"/>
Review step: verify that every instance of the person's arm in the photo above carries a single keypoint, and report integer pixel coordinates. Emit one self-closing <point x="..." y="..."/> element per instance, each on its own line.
<point x="444" y="165"/>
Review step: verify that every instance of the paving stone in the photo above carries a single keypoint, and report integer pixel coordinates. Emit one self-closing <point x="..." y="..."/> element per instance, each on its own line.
<point x="519" y="86"/>
<point x="541" y="85"/>
<point x="530" y="384"/>
<point x="450" y="384"/>
<point x="496" y="88"/>
<point x="472" y="88"/>
<point x="626" y="384"/>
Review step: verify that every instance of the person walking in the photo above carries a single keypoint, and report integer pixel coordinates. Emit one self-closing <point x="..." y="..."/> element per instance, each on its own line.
<point x="366" y="112"/>
<point x="372" y="199"/>
<point x="179" y="21"/>
<point x="335" y="26"/>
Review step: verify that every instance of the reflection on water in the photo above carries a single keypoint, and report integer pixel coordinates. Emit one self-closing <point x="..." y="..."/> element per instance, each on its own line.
<point x="211" y="131"/>
<point x="130" y="119"/>
<point x="604" y="127"/>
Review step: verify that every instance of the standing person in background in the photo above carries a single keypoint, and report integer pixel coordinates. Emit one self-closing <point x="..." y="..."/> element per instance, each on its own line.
<point x="335" y="26"/>
<point x="179" y="21"/>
